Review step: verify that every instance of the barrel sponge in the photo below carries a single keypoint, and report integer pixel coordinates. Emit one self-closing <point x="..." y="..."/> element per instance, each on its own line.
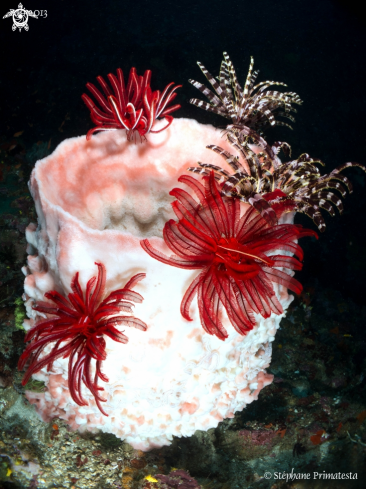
<point x="95" y="201"/>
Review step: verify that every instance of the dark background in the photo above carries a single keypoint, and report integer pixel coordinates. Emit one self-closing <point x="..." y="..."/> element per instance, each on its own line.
<point x="316" y="46"/>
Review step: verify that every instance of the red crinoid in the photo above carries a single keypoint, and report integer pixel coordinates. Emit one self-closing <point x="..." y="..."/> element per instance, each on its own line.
<point x="134" y="108"/>
<point x="76" y="331"/>
<point x="235" y="255"/>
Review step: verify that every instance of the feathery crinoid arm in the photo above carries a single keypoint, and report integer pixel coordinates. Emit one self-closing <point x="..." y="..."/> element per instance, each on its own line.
<point x="236" y="255"/>
<point x="75" y="328"/>
<point x="302" y="183"/>
<point x="254" y="106"/>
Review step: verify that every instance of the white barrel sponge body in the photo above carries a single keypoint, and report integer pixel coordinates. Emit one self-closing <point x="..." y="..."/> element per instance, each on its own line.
<point x="95" y="201"/>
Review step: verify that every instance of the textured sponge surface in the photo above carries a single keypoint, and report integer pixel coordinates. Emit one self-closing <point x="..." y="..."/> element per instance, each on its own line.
<point x="95" y="200"/>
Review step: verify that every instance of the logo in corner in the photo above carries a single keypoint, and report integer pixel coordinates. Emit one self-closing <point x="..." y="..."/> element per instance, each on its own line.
<point x="20" y="17"/>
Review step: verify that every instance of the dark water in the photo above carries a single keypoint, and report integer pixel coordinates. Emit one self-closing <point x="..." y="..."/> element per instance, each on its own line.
<point x="316" y="46"/>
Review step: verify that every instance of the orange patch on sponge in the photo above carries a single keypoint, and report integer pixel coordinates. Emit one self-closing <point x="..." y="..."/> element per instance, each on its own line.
<point x="317" y="438"/>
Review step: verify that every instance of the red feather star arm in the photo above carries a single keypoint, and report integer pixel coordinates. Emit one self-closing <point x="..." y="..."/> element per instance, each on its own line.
<point x="77" y="331"/>
<point x="134" y="107"/>
<point x="236" y="256"/>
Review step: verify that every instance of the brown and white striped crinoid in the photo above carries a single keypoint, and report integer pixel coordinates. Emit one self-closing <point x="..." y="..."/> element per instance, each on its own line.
<point x="260" y="178"/>
<point x="273" y="187"/>
<point x="253" y="106"/>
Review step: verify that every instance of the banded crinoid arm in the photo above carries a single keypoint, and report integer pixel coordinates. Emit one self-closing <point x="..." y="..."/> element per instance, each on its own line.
<point x="295" y="185"/>
<point x="235" y="253"/>
<point x="254" y="106"/>
<point x="294" y="174"/>
<point x="248" y="185"/>
<point x="302" y="183"/>
<point x="75" y="327"/>
<point x="240" y="137"/>
<point x="278" y="145"/>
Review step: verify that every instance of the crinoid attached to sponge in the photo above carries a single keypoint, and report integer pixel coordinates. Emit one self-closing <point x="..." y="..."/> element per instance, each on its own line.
<point x="236" y="256"/>
<point x="134" y="107"/>
<point x="273" y="187"/>
<point x="253" y="106"/>
<point x="76" y="329"/>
